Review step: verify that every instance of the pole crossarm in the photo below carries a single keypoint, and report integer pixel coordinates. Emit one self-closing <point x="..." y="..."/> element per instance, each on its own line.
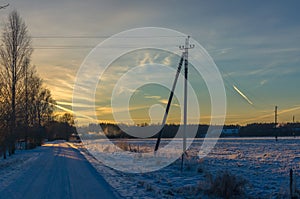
<point x="186" y="47"/>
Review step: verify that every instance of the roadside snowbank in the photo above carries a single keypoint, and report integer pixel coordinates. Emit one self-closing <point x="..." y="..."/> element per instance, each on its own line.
<point x="14" y="165"/>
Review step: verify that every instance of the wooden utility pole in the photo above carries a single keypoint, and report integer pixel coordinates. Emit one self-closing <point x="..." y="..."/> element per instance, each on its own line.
<point x="276" y="116"/>
<point x="293" y="118"/>
<point x="275" y="125"/>
<point x="186" y="48"/>
<point x="184" y="58"/>
<point x="169" y="104"/>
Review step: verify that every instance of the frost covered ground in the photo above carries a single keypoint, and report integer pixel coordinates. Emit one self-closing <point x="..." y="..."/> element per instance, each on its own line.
<point x="262" y="162"/>
<point x="13" y="166"/>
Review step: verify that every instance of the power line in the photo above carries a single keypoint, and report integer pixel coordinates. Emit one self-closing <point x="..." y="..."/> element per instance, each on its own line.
<point x="99" y="36"/>
<point x="58" y="47"/>
<point x="68" y="47"/>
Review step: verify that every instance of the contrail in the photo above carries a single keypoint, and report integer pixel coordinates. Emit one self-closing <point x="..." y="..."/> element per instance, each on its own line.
<point x="71" y="111"/>
<point x="242" y="94"/>
<point x="62" y="108"/>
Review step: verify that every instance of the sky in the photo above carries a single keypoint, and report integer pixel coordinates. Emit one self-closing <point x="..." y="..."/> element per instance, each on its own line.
<point x="254" y="44"/>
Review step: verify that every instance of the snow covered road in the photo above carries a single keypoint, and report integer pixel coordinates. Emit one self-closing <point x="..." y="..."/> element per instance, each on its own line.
<point x="59" y="172"/>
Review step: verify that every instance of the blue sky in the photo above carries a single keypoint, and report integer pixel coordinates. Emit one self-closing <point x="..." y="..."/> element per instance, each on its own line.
<point x="255" y="44"/>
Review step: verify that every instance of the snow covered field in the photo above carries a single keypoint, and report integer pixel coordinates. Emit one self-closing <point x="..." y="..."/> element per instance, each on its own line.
<point x="262" y="162"/>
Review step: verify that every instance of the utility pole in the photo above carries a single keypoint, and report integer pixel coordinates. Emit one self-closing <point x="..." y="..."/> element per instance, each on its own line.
<point x="185" y="48"/>
<point x="275" y="126"/>
<point x="293" y="118"/>
<point x="169" y="104"/>
<point x="184" y="58"/>
<point x="276" y="115"/>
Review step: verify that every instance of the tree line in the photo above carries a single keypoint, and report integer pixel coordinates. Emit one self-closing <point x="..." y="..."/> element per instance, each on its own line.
<point x="270" y="129"/>
<point x="26" y="105"/>
<point x="112" y="131"/>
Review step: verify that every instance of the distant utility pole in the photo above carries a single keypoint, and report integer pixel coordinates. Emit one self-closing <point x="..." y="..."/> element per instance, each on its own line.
<point x="293" y="118"/>
<point x="276" y="115"/>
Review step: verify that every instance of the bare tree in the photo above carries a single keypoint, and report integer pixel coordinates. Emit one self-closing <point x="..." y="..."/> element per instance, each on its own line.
<point x="37" y="104"/>
<point x="44" y="106"/>
<point x="67" y="118"/>
<point x="25" y="104"/>
<point x="3" y="119"/>
<point x="14" y="52"/>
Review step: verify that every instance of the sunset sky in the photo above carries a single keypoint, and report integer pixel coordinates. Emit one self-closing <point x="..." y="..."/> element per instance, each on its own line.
<point x="255" y="45"/>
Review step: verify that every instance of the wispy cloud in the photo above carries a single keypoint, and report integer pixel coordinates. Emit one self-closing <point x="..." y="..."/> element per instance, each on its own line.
<point x="263" y="82"/>
<point x="167" y="61"/>
<point x="146" y="60"/>
<point x="153" y="97"/>
<point x="73" y="104"/>
<point x="221" y="51"/>
<point x="163" y="101"/>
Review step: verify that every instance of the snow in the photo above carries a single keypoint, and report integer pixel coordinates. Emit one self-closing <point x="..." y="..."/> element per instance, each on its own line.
<point x="262" y="162"/>
<point x="12" y="167"/>
<point x="56" y="171"/>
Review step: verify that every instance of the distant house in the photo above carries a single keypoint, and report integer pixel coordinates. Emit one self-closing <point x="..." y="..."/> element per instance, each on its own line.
<point x="231" y="131"/>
